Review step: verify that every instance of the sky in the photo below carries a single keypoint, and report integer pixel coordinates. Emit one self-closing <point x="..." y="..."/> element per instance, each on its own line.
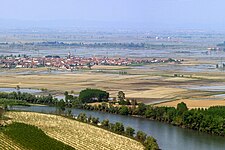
<point x="199" y="14"/>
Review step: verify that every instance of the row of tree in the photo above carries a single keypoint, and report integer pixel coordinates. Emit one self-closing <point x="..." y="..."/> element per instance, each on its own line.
<point x="30" y="98"/>
<point x="85" y="96"/>
<point x="118" y="127"/>
<point x="210" y="120"/>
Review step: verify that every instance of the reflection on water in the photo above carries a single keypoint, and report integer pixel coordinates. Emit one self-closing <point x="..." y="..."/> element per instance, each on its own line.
<point x="21" y="90"/>
<point x="209" y="88"/>
<point x="181" y="68"/>
<point x="168" y="137"/>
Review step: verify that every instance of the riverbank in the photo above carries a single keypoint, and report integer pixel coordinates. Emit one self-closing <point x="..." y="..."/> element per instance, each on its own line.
<point x="205" y="120"/>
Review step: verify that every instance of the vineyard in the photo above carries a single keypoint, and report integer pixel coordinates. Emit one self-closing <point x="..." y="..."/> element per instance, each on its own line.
<point x="76" y="134"/>
<point x="7" y="144"/>
<point x="31" y="137"/>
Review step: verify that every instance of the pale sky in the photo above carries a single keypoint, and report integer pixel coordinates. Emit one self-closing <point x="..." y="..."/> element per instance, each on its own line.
<point x="163" y="13"/>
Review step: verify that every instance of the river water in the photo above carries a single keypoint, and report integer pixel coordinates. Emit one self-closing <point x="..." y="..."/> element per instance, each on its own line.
<point x="168" y="137"/>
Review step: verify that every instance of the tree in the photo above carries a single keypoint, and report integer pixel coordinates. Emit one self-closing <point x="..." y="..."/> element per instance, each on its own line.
<point x="140" y="110"/>
<point x="82" y="117"/>
<point x="93" y="95"/>
<point x="77" y="103"/>
<point x="141" y="136"/>
<point x="95" y="120"/>
<point x="129" y="131"/>
<point x="105" y="123"/>
<point x="118" y="127"/>
<point x="69" y="112"/>
<point x="122" y="99"/>
<point x="182" y="107"/>
<point x="151" y="144"/>
<point x="123" y="110"/>
<point x="121" y="96"/>
<point x="66" y="95"/>
<point x="17" y="87"/>
<point x="61" y="106"/>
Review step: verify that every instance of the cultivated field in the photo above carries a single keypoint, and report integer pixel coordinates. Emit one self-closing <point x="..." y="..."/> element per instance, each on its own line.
<point x="149" y="84"/>
<point x="7" y="144"/>
<point x="195" y="103"/>
<point x="76" y="134"/>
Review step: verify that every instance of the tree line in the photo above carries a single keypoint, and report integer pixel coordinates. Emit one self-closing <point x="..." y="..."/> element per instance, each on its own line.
<point x="211" y="120"/>
<point x="118" y="128"/>
<point x="57" y="44"/>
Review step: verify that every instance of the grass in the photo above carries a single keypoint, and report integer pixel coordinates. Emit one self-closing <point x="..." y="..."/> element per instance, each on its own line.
<point x="31" y="137"/>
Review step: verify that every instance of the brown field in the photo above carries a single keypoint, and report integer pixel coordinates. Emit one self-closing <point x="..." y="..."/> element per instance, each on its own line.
<point x="76" y="134"/>
<point x="147" y="85"/>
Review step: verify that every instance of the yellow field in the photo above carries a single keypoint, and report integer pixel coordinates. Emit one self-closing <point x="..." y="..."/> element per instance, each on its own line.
<point x="76" y="134"/>
<point x="157" y="92"/>
<point x="133" y="85"/>
<point x="195" y="103"/>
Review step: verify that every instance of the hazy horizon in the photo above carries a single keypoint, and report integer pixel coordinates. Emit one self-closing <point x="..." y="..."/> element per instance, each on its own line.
<point x="130" y="14"/>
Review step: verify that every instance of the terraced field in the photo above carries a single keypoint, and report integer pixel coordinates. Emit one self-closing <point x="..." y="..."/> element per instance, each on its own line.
<point x="76" y="134"/>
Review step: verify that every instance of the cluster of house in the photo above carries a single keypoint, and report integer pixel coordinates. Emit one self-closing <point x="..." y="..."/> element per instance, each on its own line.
<point x="72" y="62"/>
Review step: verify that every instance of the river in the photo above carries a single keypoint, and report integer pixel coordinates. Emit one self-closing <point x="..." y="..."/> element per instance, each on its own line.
<point x="168" y="137"/>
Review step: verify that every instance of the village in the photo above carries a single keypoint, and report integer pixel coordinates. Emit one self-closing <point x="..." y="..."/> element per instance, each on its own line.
<point x="75" y="62"/>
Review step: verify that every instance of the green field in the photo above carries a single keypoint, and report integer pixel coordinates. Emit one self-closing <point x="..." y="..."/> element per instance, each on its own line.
<point x="31" y="137"/>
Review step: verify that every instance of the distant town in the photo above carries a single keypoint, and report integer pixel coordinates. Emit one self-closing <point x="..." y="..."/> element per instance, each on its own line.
<point x="75" y="62"/>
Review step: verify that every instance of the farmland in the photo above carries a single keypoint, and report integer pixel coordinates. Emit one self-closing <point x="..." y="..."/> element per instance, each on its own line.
<point x="30" y="137"/>
<point x="8" y="144"/>
<point x="150" y="84"/>
<point x="75" y="134"/>
<point x="195" y="103"/>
